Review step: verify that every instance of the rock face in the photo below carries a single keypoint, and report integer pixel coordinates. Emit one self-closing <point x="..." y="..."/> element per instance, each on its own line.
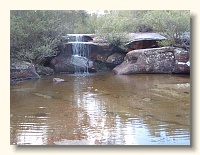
<point x="155" y="60"/>
<point x="41" y="70"/>
<point x="101" y="53"/>
<point x="182" y="61"/>
<point x="66" y="63"/>
<point x="116" y="58"/>
<point x="62" y="64"/>
<point x="21" y="70"/>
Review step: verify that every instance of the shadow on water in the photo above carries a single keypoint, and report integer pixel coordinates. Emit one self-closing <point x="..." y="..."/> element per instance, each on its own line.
<point x="101" y="109"/>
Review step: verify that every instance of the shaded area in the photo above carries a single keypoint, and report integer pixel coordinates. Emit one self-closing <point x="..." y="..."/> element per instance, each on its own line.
<point x="143" y="40"/>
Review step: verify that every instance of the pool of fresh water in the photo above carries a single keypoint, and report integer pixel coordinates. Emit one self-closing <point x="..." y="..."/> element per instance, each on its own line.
<point x="101" y="109"/>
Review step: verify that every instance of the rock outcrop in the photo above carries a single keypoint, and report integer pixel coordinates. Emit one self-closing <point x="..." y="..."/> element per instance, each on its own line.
<point x="155" y="60"/>
<point x="41" y="70"/>
<point x="66" y="63"/>
<point x="62" y="64"/>
<point x="116" y="58"/>
<point x="100" y="53"/>
<point x="21" y="70"/>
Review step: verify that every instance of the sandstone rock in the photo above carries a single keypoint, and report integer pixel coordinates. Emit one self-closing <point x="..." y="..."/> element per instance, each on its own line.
<point x="67" y="48"/>
<point x="58" y="80"/>
<point x="41" y="70"/>
<point x="155" y="60"/>
<point x="181" y="55"/>
<point x="79" y="61"/>
<point x="43" y="95"/>
<point x="21" y="70"/>
<point x="116" y="58"/>
<point x="62" y="64"/>
<point x="67" y="63"/>
<point x="102" y="52"/>
<point x="182" y="61"/>
<point x="99" y="53"/>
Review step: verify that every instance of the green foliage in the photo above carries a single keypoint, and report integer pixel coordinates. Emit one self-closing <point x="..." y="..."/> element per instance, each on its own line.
<point x="164" y="43"/>
<point x="35" y="34"/>
<point x="111" y="29"/>
<point x="170" y="23"/>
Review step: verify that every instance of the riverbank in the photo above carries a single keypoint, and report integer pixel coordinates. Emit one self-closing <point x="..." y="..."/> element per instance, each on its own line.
<point x="166" y="60"/>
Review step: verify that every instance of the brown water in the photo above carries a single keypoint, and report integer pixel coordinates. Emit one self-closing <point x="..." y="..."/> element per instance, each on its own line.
<point x="101" y="109"/>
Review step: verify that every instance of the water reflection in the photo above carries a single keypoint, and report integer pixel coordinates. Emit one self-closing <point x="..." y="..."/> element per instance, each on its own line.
<point x="102" y="109"/>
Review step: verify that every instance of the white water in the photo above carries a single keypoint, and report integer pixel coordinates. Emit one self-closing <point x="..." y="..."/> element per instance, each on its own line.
<point x="81" y="53"/>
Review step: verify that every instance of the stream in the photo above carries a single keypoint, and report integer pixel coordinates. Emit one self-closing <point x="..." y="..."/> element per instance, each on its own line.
<point x="101" y="109"/>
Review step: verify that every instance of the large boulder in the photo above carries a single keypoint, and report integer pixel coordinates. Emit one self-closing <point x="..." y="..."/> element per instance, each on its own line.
<point x="62" y="64"/>
<point x="106" y="56"/>
<point x="182" y="61"/>
<point x="68" y="63"/>
<point x="155" y="60"/>
<point x="21" y="70"/>
<point x="102" y="52"/>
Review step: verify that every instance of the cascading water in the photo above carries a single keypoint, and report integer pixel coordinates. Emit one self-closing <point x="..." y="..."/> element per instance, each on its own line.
<point x="81" y="54"/>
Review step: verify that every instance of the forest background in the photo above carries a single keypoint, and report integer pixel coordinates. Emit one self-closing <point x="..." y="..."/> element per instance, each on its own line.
<point x="34" y="34"/>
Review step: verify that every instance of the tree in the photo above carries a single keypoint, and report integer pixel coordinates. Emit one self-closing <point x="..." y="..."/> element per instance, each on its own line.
<point x="170" y="23"/>
<point x="112" y="28"/>
<point x="115" y="24"/>
<point x="35" y="34"/>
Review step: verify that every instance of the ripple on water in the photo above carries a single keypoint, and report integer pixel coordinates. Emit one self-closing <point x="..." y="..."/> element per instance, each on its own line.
<point x="101" y="109"/>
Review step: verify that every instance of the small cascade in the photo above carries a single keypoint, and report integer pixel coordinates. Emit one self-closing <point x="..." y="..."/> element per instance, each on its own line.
<point x="79" y="38"/>
<point x="81" y="53"/>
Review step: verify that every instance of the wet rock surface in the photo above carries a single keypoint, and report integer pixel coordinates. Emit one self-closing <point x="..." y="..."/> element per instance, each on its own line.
<point x="67" y="63"/>
<point x="62" y="63"/>
<point x="100" y="53"/>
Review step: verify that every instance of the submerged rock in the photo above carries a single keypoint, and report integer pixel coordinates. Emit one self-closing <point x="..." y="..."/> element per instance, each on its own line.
<point x="146" y="99"/>
<point x="43" y="95"/>
<point x="58" y="80"/>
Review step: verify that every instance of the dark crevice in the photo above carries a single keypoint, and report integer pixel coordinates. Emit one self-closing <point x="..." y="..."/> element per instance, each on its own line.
<point x="134" y="60"/>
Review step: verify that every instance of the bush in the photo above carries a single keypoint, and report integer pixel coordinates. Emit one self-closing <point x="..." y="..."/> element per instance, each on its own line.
<point x="34" y="35"/>
<point x="170" y="23"/>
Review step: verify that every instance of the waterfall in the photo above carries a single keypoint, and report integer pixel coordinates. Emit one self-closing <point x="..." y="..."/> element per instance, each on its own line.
<point x="81" y="54"/>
